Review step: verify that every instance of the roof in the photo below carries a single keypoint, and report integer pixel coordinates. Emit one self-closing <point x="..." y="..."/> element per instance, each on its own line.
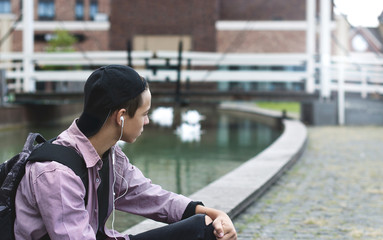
<point x="372" y="36"/>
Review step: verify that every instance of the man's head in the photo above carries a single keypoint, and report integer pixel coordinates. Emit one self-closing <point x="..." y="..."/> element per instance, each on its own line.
<point x="108" y="89"/>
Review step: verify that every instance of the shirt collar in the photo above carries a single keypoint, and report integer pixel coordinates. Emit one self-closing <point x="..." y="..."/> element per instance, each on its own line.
<point x="82" y="144"/>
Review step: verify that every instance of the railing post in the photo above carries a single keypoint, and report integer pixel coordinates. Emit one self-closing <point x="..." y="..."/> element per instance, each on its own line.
<point x="341" y="99"/>
<point x="364" y="83"/>
<point x="129" y="50"/>
<point x="3" y="87"/>
<point x="178" y="83"/>
<point x="310" y="45"/>
<point x="18" y="87"/>
<point x="28" y="45"/>
<point x="325" y="48"/>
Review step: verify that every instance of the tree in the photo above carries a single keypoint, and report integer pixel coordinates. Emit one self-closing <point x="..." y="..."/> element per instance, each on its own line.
<point x="61" y="41"/>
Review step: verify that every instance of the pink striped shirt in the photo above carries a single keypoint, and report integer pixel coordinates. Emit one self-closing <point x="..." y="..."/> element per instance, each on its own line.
<point x="50" y="197"/>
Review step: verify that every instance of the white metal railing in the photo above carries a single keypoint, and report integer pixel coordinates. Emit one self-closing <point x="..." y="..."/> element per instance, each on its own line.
<point x="357" y="74"/>
<point x="361" y="74"/>
<point x="139" y="58"/>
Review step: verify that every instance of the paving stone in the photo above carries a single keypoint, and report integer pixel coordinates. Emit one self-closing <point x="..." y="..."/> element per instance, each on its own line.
<point x="334" y="191"/>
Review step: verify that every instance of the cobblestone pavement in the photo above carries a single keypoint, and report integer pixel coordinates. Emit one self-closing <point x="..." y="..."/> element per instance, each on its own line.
<point x="335" y="191"/>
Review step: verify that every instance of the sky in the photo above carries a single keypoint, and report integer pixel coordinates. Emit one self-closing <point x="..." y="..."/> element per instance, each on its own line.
<point x="361" y="12"/>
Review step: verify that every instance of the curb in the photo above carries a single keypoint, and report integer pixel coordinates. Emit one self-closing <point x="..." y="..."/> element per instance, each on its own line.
<point x="235" y="191"/>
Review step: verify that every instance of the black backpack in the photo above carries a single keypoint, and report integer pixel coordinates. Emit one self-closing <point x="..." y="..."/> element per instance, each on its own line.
<point x="12" y="171"/>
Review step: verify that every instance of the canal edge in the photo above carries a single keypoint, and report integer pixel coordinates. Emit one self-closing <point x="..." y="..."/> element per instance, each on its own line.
<point x="235" y="191"/>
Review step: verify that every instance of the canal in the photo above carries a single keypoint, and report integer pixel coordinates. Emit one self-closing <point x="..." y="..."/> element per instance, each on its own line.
<point x="182" y="150"/>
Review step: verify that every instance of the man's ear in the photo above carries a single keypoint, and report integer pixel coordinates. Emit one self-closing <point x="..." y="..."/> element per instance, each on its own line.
<point x="120" y="116"/>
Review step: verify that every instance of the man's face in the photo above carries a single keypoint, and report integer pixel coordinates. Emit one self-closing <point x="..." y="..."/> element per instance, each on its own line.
<point x="135" y="126"/>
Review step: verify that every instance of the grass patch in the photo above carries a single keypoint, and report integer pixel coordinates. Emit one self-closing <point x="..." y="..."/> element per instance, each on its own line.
<point x="314" y="221"/>
<point x="290" y="107"/>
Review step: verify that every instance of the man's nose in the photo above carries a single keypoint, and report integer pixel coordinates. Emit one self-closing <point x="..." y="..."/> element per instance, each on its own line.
<point x="146" y="121"/>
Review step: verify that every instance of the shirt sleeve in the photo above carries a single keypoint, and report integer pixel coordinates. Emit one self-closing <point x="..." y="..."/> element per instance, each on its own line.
<point x="138" y="195"/>
<point x="190" y="209"/>
<point x="60" y="195"/>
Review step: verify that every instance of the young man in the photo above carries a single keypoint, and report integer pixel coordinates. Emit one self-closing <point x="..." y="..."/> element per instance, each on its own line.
<point x="50" y="197"/>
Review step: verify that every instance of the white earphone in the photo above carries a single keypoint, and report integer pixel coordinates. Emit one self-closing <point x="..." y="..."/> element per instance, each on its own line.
<point x="122" y="121"/>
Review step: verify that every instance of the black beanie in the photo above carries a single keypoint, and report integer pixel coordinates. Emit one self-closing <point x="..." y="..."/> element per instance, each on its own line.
<point x="106" y="89"/>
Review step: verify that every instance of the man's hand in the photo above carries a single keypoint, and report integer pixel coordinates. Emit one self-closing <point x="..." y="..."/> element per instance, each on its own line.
<point x="223" y="226"/>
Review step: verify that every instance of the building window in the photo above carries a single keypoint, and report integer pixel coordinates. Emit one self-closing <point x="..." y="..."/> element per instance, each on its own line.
<point x="5" y="6"/>
<point x="79" y="9"/>
<point x="46" y="9"/>
<point x="93" y="9"/>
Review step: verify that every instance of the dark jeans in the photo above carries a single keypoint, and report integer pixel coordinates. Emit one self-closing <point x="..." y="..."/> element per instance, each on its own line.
<point x="192" y="228"/>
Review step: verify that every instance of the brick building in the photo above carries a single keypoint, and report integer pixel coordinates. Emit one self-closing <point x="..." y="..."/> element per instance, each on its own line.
<point x="87" y="20"/>
<point x="214" y="25"/>
<point x="248" y="37"/>
<point x="151" y="24"/>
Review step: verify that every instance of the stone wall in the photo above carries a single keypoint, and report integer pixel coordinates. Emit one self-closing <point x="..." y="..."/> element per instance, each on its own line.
<point x="13" y="116"/>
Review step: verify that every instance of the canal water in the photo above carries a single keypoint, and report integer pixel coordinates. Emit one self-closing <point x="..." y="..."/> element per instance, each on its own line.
<point x="179" y="154"/>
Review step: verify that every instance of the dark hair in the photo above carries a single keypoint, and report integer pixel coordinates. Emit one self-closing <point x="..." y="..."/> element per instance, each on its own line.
<point x="132" y="105"/>
<point x="107" y="89"/>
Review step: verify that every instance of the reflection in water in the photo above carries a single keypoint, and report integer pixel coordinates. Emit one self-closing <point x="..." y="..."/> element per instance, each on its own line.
<point x="189" y="132"/>
<point x="163" y="116"/>
<point x="182" y="167"/>
<point x="244" y="133"/>
<point x="190" y="128"/>
<point x="192" y="117"/>
<point x="264" y="134"/>
<point x="223" y="131"/>
<point x="12" y="141"/>
<point x="186" y="166"/>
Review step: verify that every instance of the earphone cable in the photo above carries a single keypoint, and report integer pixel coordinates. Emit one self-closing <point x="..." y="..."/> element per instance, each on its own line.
<point x="114" y="200"/>
<point x="115" y="178"/>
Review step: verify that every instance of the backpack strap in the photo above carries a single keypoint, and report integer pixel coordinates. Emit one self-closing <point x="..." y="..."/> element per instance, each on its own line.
<point x="16" y="163"/>
<point x="64" y="155"/>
